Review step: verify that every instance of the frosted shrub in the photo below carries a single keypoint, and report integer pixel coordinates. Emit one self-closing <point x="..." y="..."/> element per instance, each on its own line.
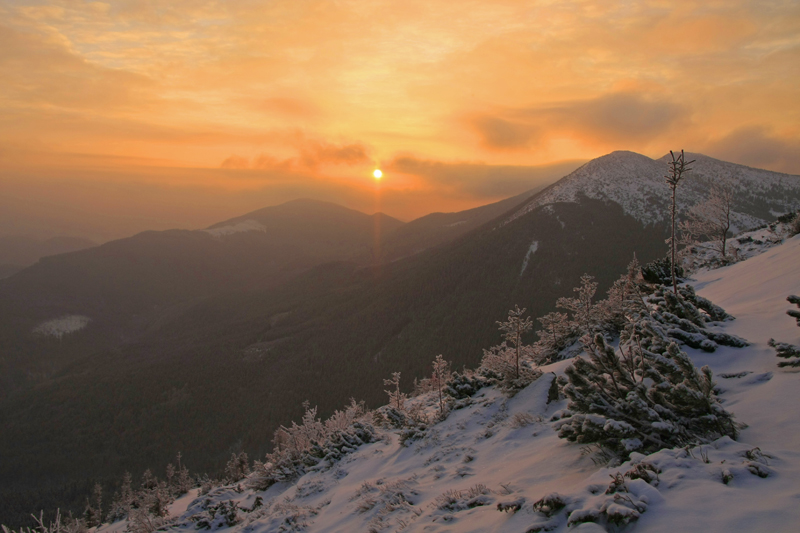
<point x="643" y="397"/>
<point x="312" y="445"/>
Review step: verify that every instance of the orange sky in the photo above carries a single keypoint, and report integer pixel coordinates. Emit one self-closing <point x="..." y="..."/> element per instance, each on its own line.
<point x="183" y="113"/>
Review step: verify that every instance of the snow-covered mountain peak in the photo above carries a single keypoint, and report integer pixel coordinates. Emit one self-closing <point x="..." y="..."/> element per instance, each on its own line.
<point x="637" y="183"/>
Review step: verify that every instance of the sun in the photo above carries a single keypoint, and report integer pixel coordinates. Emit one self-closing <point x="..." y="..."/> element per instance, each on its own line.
<point x="377" y="174"/>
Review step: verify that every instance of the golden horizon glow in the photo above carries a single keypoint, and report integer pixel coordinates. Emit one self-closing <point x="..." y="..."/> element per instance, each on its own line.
<point x="238" y="105"/>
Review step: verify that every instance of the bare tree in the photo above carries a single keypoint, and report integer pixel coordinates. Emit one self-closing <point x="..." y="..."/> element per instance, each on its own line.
<point x="677" y="167"/>
<point x="711" y="219"/>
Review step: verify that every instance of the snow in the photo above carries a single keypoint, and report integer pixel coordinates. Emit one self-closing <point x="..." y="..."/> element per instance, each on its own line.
<point x="636" y="182"/>
<point x="531" y="250"/>
<point x="58" y="327"/>
<point x="239" y="227"/>
<point x="500" y="450"/>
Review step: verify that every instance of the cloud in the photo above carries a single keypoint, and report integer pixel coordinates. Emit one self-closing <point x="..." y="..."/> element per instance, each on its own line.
<point x="311" y="153"/>
<point x="40" y="71"/>
<point x="755" y="146"/>
<point x="235" y="162"/>
<point x="613" y="119"/>
<point x="479" y="180"/>
<point x="502" y="133"/>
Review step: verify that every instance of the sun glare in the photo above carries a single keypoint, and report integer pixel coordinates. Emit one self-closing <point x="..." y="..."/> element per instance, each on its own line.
<point x="377" y="174"/>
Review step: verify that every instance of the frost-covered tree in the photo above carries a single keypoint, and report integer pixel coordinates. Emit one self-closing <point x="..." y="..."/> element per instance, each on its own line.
<point x="123" y="499"/>
<point x="148" y="510"/>
<point x="510" y="362"/>
<point x="396" y="398"/>
<point x="439" y="377"/>
<point x="711" y="220"/>
<point x="93" y="513"/>
<point x="789" y="352"/>
<point x="584" y="314"/>
<point x="623" y="297"/>
<point x="238" y="467"/>
<point x="513" y="329"/>
<point x="677" y="168"/>
<point x="555" y="334"/>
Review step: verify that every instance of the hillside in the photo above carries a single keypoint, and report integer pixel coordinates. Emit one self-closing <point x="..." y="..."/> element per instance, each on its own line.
<point x="438" y="228"/>
<point x="330" y="332"/>
<point x="497" y="450"/>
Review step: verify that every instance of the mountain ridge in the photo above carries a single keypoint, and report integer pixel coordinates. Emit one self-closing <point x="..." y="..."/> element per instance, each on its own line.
<point x="636" y="182"/>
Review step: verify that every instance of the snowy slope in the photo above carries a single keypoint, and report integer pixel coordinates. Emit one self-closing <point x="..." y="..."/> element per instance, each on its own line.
<point x="504" y="450"/>
<point x="636" y="182"/>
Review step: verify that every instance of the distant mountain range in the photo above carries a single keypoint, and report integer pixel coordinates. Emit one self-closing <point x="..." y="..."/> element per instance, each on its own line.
<point x="204" y="342"/>
<point x="18" y="252"/>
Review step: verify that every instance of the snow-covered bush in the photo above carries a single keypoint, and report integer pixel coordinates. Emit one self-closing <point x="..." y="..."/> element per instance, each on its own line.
<point x="458" y="500"/>
<point x="57" y="525"/>
<point x="660" y="272"/>
<point x="465" y="385"/>
<point x="789" y="352"/>
<point x="222" y="514"/>
<point x="645" y="396"/>
<point x="312" y="445"/>
<point x="390" y="503"/>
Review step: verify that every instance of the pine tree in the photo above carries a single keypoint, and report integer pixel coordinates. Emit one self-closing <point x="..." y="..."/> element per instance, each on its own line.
<point x="644" y="396"/>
